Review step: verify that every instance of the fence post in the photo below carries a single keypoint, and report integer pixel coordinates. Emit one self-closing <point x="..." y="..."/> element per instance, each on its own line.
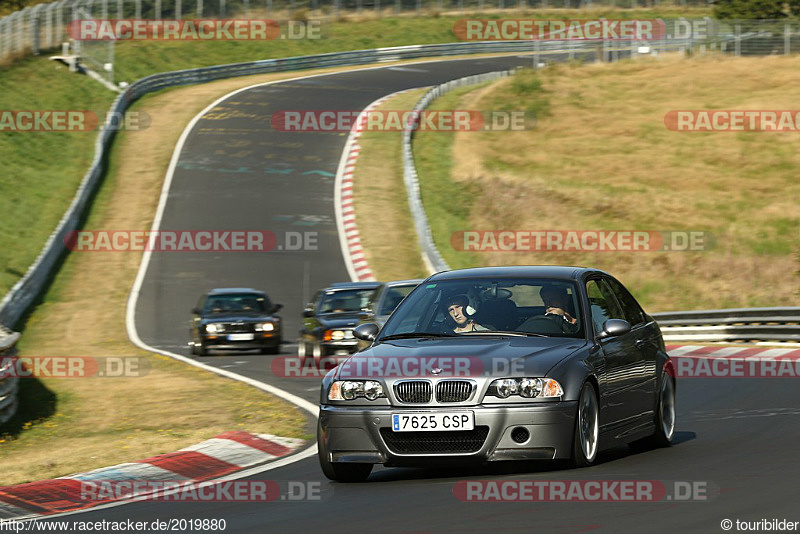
<point x="104" y="10"/>
<point x="34" y="27"/>
<point x="787" y="36"/>
<point x="157" y="13"/>
<point x="222" y="8"/>
<point x="178" y="10"/>
<point x="737" y="35"/>
<point x="138" y="9"/>
<point x="120" y="10"/>
<point x="199" y="11"/>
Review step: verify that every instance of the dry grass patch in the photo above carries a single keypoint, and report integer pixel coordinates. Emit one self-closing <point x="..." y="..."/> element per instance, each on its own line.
<point x="601" y="158"/>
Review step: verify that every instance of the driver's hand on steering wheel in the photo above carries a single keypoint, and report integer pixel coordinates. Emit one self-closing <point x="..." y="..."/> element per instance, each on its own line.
<point x="559" y="311"/>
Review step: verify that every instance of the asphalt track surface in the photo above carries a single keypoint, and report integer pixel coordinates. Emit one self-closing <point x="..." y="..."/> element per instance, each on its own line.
<point x="737" y="438"/>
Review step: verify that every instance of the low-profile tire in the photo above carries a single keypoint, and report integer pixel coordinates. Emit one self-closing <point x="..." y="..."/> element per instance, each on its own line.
<point x="340" y="472"/>
<point x="317" y="353"/>
<point x="665" y="412"/>
<point x="586" y="437"/>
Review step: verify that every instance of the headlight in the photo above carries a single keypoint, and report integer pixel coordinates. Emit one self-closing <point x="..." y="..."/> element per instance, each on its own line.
<point x="336" y="335"/>
<point x="265" y="327"/>
<point x="352" y="389"/>
<point x="215" y="328"/>
<point x="529" y="388"/>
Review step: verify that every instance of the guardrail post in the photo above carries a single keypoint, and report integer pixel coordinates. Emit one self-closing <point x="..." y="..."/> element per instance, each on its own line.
<point x="9" y="385"/>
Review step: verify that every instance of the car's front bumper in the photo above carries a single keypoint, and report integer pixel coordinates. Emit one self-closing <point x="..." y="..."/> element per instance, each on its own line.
<point x="260" y="340"/>
<point x="353" y="434"/>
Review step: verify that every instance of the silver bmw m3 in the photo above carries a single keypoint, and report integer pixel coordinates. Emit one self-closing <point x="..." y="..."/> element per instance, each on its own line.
<point x="499" y="363"/>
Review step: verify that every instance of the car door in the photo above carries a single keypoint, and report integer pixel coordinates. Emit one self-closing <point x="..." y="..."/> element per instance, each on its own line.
<point x="619" y="354"/>
<point x="646" y="341"/>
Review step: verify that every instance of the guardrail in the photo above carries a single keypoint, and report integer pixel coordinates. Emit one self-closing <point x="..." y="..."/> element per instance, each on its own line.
<point x="8" y="385"/>
<point x="736" y="324"/>
<point x="24" y="292"/>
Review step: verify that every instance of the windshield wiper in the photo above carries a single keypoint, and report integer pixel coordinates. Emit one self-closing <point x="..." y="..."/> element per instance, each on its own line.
<point x="409" y="335"/>
<point x="502" y="333"/>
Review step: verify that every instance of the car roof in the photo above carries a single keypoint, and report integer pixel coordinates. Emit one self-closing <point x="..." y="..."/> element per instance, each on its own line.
<point x="353" y="285"/>
<point x="557" y="272"/>
<point x="399" y="283"/>
<point x="221" y="290"/>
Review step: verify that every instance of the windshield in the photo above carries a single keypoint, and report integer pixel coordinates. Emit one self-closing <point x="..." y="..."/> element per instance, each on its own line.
<point x="524" y="306"/>
<point x="345" y="300"/>
<point x="236" y="303"/>
<point x="393" y="296"/>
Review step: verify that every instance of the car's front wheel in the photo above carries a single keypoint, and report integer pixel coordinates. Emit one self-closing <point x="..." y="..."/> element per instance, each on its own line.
<point x="198" y="349"/>
<point x="317" y="353"/>
<point x="340" y="472"/>
<point x="587" y="428"/>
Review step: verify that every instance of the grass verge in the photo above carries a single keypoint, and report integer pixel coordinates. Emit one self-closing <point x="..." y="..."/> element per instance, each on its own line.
<point x="600" y="158"/>
<point x="384" y="220"/>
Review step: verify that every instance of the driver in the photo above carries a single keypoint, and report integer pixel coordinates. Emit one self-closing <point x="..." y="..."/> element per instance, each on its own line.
<point x="556" y="301"/>
<point x="458" y="309"/>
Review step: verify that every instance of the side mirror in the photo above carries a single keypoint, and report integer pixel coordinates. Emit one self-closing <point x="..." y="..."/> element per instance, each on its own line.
<point x="367" y="332"/>
<point x="196" y="311"/>
<point x="614" y="328"/>
<point x="308" y="312"/>
<point x="276" y="307"/>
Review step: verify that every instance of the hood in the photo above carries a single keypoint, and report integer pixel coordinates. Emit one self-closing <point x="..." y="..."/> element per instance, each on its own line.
<point x="340" y="320"/>
<point x="484" y="355"/>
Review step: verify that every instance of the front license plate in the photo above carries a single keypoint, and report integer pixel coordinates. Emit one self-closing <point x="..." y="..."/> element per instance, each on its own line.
<point x="240" y="337"/>
<point x="432" y="422"/>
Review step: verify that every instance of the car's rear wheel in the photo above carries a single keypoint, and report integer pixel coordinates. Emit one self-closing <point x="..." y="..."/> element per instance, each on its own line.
<point x="587" y="428"/>
<point x="665" y="412"/>
<point x="340" y="472"/>
<point x="301" y="350"/>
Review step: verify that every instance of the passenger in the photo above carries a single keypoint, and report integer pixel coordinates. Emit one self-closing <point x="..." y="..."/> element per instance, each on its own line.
<point x="458" y="309"/>
<point x="338" y="306"/>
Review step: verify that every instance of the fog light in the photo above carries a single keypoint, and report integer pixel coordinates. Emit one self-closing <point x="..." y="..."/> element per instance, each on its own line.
<point x="520" y="434"/>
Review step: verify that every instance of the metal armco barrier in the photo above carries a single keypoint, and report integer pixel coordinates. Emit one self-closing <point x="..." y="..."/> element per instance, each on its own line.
<point x="737" y="324"/>
<point x="8" y="385"/>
